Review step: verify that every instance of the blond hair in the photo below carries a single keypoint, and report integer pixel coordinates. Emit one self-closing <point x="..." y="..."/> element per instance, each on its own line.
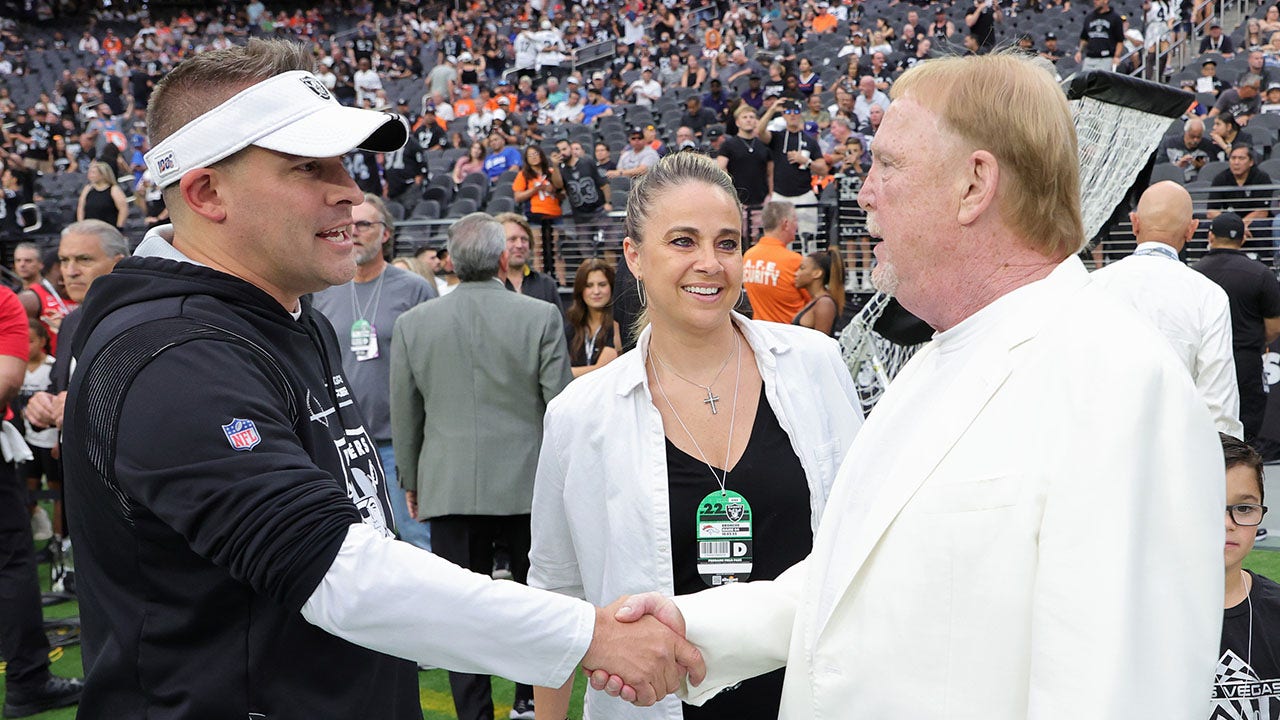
<point x="1007" y="104"/>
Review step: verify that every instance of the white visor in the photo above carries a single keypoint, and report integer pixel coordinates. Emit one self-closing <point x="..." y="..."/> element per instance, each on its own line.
<point x="291" y="113"/>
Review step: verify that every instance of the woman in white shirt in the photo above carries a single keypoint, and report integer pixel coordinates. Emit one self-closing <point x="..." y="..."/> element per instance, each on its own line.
<point x="703" y="457"/>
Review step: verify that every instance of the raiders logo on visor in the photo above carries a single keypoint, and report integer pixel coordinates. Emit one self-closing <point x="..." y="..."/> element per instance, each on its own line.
<point x="317" y="87"/>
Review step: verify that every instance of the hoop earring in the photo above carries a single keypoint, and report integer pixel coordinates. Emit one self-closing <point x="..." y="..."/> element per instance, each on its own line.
<point x="640" y="291"/>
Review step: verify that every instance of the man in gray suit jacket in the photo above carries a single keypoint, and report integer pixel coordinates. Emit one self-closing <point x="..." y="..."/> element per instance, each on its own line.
<point x="471" y="375"/>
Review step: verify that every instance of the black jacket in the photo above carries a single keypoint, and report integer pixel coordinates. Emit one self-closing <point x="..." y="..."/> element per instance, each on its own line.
<point x="214" y="460"/>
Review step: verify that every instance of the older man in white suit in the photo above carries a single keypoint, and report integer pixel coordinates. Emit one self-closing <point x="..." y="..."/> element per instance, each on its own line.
<point x="1027" y="525"/>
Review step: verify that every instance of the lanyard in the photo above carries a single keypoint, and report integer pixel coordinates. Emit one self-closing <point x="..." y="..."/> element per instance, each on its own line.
<point x="1162" y="250"/>
<point x="374" y="301"/>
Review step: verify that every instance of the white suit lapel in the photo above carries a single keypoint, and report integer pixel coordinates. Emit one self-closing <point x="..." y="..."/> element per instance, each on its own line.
<point x="929" y="441"/>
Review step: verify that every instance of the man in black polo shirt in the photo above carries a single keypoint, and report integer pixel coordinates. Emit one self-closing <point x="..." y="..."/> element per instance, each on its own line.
<point x="746" y="158"/>
<point x="794" y="153"/>
<point x="1254" y="295"/>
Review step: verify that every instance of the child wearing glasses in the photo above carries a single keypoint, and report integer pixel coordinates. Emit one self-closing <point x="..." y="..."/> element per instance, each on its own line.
<point x="1248" y="678"/>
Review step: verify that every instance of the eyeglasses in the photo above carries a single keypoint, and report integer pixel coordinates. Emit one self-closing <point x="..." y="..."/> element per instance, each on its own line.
<point x="363" y="225"/>
<point x="1246" y="514"/>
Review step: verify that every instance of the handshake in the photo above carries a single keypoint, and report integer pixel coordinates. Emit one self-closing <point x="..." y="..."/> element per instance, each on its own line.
<point x="638" y="651"/>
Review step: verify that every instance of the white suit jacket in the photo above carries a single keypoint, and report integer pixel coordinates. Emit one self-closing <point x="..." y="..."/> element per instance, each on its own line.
<point x="1044" y="540"/>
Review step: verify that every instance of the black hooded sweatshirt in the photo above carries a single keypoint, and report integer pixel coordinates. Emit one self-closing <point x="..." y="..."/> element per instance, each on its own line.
<point x="215" y="459"/>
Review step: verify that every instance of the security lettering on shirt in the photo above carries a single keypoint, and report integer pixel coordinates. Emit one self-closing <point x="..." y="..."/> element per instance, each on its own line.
<point x="761" y="272"/>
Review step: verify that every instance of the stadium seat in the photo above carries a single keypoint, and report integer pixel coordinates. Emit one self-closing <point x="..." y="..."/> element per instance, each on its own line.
<point x="461" y="207"/>
<point x="1167" y="171"/>
<point x="428" y="209"/>
<point x="1271" y="168"/>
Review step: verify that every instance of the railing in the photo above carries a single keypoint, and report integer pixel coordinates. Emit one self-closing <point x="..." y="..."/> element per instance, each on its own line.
<point x="1185" y="49"/>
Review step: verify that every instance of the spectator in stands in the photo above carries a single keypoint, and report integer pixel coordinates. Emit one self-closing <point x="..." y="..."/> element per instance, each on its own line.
<point x="1209" y="80"/>
<point x="754" y="94"/>
<point x="746" y="158"/>
<point x="1189" y="151"/>
<point x="1254" y="295"/>
<point x="652" y="140"/>
<point x="1050" y="51"/>
<point x="585" y="188"/>
<point x="443" y="78"/>
<point x="1242" y="101"/>
<point x="583" y="501"/>
<point x="1188" y="309"/>
<point x="832" y="143"/>
<point x="604" y="158"/>
<point x="1101" y="38"/>
<point x="500" y="157"/>
<point x="856" y="47"/>
<point x="1253" y="37"/>
<point x="981" y="20"/>
<point x="793" y="152"/>
<point x="472" y="162"/>
<point x="539" y="184"/>
<point x="571" y="110"/>
<point x="636" y="158"/>
<point x="477" y="499"/>
<point x="807" y="77"/>
<point x="868" y="95"/>
<point x="646" y="90"/>
<point x="1217" y="42"/>
<point x="594" y="337"/>
<point x="1271" y="21"/>
<point x="924" y="51"/>
<point x="823" y="21"/>
<point x="770" y="265"/>
<point x="361" y="310"/>
<point x="815" y="116"/>
<point x="942" y="28"/>
<point x="1244" y="196"/>
<point x="695" y="116"/>
<point x="1251" y="615"/>
<point x="1227" y="134"/>
<point x="821" y="274"/>
<point x="1271" y="101"/>
<point x="1258" y="66"/>
<point x="101" y="198"/>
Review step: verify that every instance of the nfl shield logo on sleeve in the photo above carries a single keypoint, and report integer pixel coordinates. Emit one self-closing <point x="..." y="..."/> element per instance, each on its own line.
<point x="242" y="434"/>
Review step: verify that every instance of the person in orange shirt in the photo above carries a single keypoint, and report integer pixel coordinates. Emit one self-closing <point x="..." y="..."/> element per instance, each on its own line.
<point x="824" y="21"/>
<point x="769" y="267"/>
<point x="465" y="104"/>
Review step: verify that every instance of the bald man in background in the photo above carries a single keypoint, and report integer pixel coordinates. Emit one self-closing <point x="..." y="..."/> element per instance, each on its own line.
<point x="1189" y="309"/>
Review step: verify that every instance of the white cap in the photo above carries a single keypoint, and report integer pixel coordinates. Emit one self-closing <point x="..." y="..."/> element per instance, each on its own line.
<point x="292" y="113"/>
<point x="546" y="24"/>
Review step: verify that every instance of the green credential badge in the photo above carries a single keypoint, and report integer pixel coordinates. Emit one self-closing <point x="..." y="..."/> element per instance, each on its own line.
<point x="724" y="538"/>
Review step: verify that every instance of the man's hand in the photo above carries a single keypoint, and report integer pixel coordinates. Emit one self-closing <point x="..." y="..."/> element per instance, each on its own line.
<point x="633" y="609"/>
<point x="411" y="499"/>
<point x="45" y="410"/>
<point x="641" y="659"/>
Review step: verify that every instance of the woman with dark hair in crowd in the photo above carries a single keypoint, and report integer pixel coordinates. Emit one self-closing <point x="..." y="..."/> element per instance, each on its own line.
<point x="711" y="419"/>
<point x="539" y="184"/>
<point x="1271" y="21"/>
<point x="101" y="197"/>
<point x="495" y="55"/>
<point x="459" y="141"/>
<point x="809" y="82"/>
<point x="594" y="337"/>
<point x="822" y="274"/>
<point x="472" y="162"/>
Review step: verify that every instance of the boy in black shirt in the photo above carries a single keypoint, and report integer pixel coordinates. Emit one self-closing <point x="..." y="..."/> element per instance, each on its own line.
<point x="1247" y="682"/>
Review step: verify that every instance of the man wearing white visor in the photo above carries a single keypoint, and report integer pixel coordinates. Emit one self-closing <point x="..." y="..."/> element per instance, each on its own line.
<point x="238" y="557"/>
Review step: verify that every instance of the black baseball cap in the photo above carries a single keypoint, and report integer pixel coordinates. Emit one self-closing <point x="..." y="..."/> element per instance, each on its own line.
<point x="635" y="130"/>
<point x="1227" y="226"/>
<point x="714" y="131"/>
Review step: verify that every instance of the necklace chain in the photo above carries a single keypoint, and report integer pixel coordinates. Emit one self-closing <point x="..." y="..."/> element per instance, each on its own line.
<point x="706" y="387"/>
<point x="723" y="477"/>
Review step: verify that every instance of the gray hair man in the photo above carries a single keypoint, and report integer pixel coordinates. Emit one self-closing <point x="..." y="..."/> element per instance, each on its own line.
<point x="466" y="414"/>
<point x="87" y="250"/>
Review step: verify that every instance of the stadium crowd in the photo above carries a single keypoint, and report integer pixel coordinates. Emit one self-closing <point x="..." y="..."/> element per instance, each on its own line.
<point x="545" y="115"/>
